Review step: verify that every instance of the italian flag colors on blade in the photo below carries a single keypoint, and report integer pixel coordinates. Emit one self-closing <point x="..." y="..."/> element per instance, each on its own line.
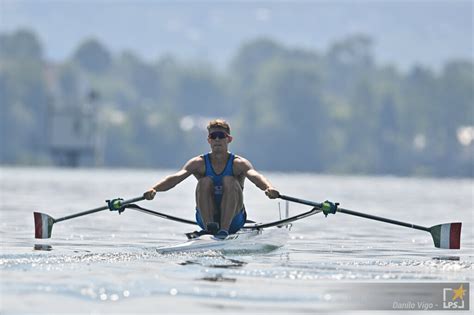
<point x="447" y="235"/>
<point x="43" y="225"/>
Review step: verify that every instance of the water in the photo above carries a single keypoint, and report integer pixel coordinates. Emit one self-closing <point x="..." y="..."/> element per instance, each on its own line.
<point x="108" y="263"/>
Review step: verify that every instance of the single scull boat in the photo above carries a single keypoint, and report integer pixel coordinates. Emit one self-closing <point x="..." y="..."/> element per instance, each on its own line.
<point x="252" y="237"/>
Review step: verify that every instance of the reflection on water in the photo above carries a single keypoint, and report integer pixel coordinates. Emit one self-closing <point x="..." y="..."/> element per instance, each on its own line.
<point x="218" y="278"/>
<point x="224" y="263"/>
<point x="45" y="247"/>
<point x="456" y="258"/>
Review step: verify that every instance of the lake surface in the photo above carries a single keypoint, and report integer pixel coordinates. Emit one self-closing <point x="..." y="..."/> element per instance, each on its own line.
<point x="108" y="263"/>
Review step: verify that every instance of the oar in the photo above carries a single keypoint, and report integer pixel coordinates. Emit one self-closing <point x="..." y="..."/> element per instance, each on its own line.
<point x="159" y="214"/>
<point x="164" y="215"/>
<point x="44" y="223"/>
<point x="447" y="235"/>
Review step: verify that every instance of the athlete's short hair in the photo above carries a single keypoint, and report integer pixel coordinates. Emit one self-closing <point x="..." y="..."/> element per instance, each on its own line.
<point x="219" y="123"/>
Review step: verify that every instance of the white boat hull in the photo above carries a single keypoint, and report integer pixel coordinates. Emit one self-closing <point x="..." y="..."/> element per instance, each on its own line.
<point x="244" y="241"/>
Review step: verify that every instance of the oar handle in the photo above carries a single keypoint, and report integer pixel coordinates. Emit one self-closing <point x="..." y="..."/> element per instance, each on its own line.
<point x="355" y="213"/>
<point x="124" y="202"/>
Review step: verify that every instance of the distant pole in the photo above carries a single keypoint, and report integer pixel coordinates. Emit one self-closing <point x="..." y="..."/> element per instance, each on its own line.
<point x="99" y="132"/>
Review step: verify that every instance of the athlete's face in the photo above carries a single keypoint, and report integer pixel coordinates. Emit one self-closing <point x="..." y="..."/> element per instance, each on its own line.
<point x="219" y="139"/>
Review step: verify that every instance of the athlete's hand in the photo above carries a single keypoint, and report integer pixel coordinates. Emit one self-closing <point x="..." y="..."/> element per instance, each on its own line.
<point x="272" y="193"/>
<point x="149" y="194"/>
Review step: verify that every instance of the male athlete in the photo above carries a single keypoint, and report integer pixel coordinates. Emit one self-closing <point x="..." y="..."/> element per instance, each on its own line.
<point x="219" y="192"/>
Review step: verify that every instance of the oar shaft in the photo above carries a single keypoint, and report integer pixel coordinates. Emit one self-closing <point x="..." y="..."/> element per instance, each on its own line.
<point x="161" y="215"/>
<point x="358" y="214"/>
<point x="373" y="217"/>
<point x="285" y="221"/>
<point x="79" y="214"/>
<point x="302" y="201"/>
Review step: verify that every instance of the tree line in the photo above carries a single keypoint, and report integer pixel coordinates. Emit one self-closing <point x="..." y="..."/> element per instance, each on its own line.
<point x="290" y="109"/>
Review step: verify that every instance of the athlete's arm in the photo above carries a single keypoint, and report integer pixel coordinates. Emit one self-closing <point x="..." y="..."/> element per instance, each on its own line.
<point x="245" y="167"/>
<point x="191" y="167"/>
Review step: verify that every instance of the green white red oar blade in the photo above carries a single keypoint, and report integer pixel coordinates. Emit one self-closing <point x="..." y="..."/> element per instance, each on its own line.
<point x="447" y="235"/>
<point x="43" y="225"/>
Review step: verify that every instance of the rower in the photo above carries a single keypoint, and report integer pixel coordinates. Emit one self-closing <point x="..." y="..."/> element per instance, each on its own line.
<point x="220" y="207"/>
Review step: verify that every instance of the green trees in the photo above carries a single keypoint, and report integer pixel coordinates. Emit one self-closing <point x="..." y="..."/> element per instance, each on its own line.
<point x="23" y="99"/>
<point x="92" y="56"/>
<point x="290" y="109"/>
<point x="20" y="45"/>
<point x="340" y="112"/>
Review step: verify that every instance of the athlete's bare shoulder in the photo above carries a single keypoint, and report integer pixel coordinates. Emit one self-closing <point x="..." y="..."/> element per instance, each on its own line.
<point x="241" y="165"/>
<point x="196" y="166"/>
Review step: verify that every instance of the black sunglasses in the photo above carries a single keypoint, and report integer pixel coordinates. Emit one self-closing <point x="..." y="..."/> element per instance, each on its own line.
<point x="218" y="134"/>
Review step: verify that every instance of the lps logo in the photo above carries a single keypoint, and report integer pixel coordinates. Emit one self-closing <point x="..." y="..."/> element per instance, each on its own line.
<point x="453" y="298"/>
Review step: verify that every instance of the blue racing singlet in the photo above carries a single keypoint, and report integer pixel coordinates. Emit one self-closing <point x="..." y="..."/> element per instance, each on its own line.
<point x="217" y="179"/>
<point x="239" y="220"/>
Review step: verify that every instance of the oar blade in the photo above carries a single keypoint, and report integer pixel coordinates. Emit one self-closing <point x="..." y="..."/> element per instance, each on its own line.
<point x="447" y="235"/>
<point x="43" y="225"/>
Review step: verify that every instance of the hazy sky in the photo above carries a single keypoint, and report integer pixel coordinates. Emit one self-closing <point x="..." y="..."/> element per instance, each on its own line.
<point x="404" y="32"/>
